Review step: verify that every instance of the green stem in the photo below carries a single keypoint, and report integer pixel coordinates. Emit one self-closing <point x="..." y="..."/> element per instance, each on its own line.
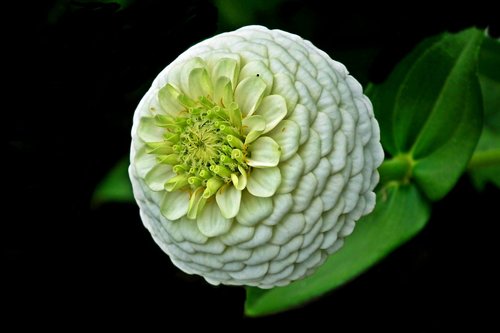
<point x="398" y="168"/>
<point x="483" y="159"/>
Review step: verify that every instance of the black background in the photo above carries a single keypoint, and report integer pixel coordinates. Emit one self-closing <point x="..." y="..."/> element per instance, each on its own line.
<point x="69" y="114"/>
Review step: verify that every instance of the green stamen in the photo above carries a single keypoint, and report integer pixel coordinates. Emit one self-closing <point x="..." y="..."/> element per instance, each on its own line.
<point x="204" y="145"/>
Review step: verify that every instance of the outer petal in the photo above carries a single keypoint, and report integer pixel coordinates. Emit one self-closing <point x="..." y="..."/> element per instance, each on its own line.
<point x="273" y="109"/>
<point x="254" y="126"/>
<point x="200" y="83"/>
<point x="265" y="152"/>
<point x="223" y="91"/>
<point x="249" y="93"/>
<point x="253" y="209"/>
<point x="148" y="131"/>
<point x="264" y="182"/>
<point x="211" y="222"/>
<point x="228" y="68"/>
<point x="167" y="97"/>
<point x="240" y="182"/>
<point x="287" y="135"/>
<point x="258" y="69"/>
<point x="228" y="198"/>
<point x="156" y="177"/>
<point x="175" y="205"/>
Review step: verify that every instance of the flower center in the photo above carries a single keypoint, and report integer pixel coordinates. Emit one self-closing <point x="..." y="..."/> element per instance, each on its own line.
<point x="203" y="144"/>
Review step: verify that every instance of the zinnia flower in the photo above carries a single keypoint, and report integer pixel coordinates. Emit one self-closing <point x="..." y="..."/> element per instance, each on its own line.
<point x="253" y="155"/>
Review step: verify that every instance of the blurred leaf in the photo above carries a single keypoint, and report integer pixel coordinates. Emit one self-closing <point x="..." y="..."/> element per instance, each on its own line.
<point x="400" y="213"/>
<point x="235" y="14"/>
<point x="115" y="187"/>
<point x="59" y="7"/>
<point x="485" y="163"/>
<point x="122" y="3"/>
<point x="430" y="109"/>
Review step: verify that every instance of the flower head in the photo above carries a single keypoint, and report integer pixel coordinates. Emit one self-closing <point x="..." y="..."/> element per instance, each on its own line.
<point x="253" y="154"/>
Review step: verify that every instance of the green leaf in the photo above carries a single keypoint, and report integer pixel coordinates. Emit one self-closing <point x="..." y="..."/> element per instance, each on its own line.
<point x="430" y="109"/>
<point x="484" y="166"/>
<point x="235" y="14"/>
<point x="115" y="187"/>
<point x="400" y="213"/>
<point x="384" y="96"/>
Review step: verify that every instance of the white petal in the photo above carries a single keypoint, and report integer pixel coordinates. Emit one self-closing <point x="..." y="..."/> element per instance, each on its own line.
<point x="211" y="222"/>
<point x="273" y="109"/>
<point x="291" y="246"/>
<point x="332" y="191"/>
<point x="263" y="233"/>
<point x="323" y="126"/>
<point x="313" y="243"/>
<point x="215" y="56"/>
<point x="190" y="231"/>
<point x="291" y="171"/>
<point x="265" y="152"/>
<point x="148" y="131"/>
<point x="291" y="226"/>
<point x="143" y="162"/>
<point x="174" y="204"/>
<point x="237" y="234"/>
<point x="251" y="272"/>
<point x="313" y="213"/>
<point x="254" y="126"/>
<point x="226" y="67"/>
<point x="338" y="157"/>
<point x="304" y="192"/>
<point x="263" y="254"/>
<point x="167" y="97"/>
<point x="258" y="69"/>
<point x="253" y="209"/>
<point x="196" y="203"/>
<point x="248" y="94"/>
<point x="351" y="192"/>
<point x="212" y="246"/>
<point x="310" y="152"/>
<point x="223" y="91"/>
<point x="283" y="86"/>
<point x="185" y="72"/>
<point x="322" y="172"/>
<point x="240" y="182"/>
<point x="264" y="182"/>
<point x="228" y="198"/>
<point x="234" y="253"/>
<point x="158" y="175"/>
<point x="358" y="159"/>
<point x="199" y="83"/>
<point x="288" y="257"/>
<point x="282" y="205"/>
<point x="301" y="116"/>
<point x="287" y="135"/>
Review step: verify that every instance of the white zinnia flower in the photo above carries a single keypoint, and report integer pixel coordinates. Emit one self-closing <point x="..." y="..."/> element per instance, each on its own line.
<point x="253" y="155"/>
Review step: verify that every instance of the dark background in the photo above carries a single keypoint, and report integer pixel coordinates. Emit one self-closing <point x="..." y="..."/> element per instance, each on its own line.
<point x="69" y="113"/>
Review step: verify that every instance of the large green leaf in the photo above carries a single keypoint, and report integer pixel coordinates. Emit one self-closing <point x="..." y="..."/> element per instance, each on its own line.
<point x="384" y="96"/>
<point x="400" y="213"/>
<point x="430" y="109"/>
<point x="485" y="163"/>
<point x="115" y="187"/>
